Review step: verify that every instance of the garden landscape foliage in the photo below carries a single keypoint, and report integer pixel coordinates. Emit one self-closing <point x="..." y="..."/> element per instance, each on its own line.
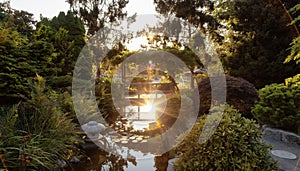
<point x="235" y="145"/>
<point x="258" y="43"/>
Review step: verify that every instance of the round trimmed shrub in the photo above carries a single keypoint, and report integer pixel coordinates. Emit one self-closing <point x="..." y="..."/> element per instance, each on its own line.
<point x="279" y="105"/>
<point x="239" y="93"/>
<point x="235" y="145"/>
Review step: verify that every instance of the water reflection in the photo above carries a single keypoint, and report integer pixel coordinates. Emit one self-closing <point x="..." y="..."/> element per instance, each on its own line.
<point x="99" y="160"/>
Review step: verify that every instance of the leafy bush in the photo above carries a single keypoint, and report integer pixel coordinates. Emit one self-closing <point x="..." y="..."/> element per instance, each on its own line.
<point x="36" y="134"/>
<point x="279" y="105"/>
<point x="235" y="145"/>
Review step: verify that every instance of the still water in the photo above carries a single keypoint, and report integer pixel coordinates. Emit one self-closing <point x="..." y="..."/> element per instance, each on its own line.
<point x="130" y="160"/>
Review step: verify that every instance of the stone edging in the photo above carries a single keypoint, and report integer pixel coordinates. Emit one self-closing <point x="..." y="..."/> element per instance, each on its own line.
<point x="281" y="135"/>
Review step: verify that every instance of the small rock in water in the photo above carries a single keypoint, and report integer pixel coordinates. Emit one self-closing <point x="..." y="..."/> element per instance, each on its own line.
<point x="134" y="141"/>
<point x="139" y="138"/>
<point x="74" y="160"/>
<point x="132" y="138"/>
<point x="124" y="142"/>
<point x="61" y="163"/>
<point x="144" y="141"/>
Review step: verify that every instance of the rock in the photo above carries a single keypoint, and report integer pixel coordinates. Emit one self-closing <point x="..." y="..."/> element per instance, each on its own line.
<point x="144" y="141"/>
<point x="74" y="160"/>
<point x="124" y="142"/>
<point x="89" y="146"/>
<point x="61" y="163"/>
<point x="139" y="138"/>
<point x="170" y="164"/>
<point x="290" y="137"/>
<point x="132" y="138"/>
<point x="273" y="133"/>
<point x="281" y="135"/>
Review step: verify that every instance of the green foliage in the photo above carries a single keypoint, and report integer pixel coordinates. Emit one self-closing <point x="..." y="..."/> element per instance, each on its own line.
<point x="190" y="59"/>
<point x="188" y="10"/>
<point x="69" y="37"/>
<point x="235" y="145"/>
<point x="21" y="21"/>
<point x="36" y="134"/>
<point x="279" y="105"/>
<point x="295" y="45"/>
<point x="255" y="46"/>
<point x="66" y="34"/>
<point x="251" y="37"/>
<point x="95" y="14"/>
<point x="50" y="50"/>
<point x="295" y="51"/>
<point x="13" y="59"/>
<point x="295" y="11"/>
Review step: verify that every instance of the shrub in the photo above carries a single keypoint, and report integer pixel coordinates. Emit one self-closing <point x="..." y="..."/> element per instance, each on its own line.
<point x="279" y="105"/>
<point x="36" y="134"/>
<point x="235" y="145"/>
<point x="239" y="93"/>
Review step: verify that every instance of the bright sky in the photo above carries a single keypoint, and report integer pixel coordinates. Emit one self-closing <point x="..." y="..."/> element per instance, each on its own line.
<point x="51" y="8"/>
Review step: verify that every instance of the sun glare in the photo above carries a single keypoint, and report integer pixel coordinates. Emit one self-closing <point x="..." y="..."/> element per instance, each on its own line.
<point x="137" y="43"/>
<point x="149" y="108"/>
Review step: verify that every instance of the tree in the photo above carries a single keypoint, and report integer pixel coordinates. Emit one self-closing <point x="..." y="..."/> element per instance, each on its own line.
<point x="255" y="46"/>
<point x="68" y="39"/>
<point x="21" y="20"/>
<point x="13" y="60"/>
<point x="98" y="12"/>
<point x="295" y="45"/>
<point x="66" y="34"/>
<point x="15" y="69"/>
<point x="188" y="10"/>
<point x="251" y="37"/>
<point x="51" y="51"/>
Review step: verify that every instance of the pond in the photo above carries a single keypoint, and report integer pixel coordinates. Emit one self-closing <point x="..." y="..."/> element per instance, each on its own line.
<point x="134" y="140"/>
<point x="128" y="149"/>
<point x="127" y="159"/>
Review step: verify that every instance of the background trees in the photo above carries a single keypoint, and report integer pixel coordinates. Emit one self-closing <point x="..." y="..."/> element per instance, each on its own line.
<point x="96" y="13"/>
<point x="15" y="66"/>
<point x="295" y="45"/>
<point x="66" y="33"/>
<point x="251" y="37"/>
<point x="49" y="48"/>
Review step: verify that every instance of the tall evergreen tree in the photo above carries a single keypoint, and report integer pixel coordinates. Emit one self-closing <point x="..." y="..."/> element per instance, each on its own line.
<point x="14" y="66"/>
<point x="68" y="39"/>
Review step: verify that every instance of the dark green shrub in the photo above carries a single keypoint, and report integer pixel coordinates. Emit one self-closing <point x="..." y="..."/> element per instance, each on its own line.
<point x="235" y="145"/>
<point x="279" y="105"/>
<point x="57" y="82"/>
